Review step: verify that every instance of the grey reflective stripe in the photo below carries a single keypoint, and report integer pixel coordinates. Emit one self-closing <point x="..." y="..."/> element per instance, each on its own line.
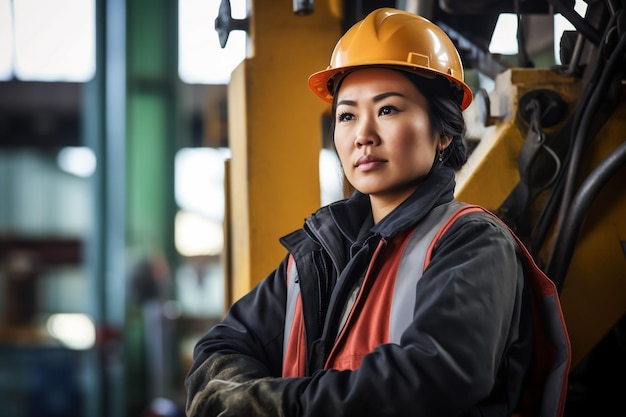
<point x="409" y="273"/>
<point x="293" y="291"/>
<point x="412" y="266"/>
<point x="346" y="312"/>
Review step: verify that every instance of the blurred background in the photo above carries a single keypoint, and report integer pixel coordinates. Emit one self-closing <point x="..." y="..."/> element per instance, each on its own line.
<point x="112" y="148"/>
<point x="152" y="154"/>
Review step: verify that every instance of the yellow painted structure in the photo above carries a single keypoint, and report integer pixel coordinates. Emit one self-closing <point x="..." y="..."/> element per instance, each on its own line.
<point x="275" y="135"/>
<point x="491" y="172"/>
<point x="594" y="293"/>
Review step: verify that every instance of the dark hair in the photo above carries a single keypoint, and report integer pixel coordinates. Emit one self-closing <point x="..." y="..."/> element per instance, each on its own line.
<point x="444" y="112"/>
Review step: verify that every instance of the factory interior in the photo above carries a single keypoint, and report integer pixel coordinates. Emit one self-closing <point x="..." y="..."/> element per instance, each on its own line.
<point x="152" y="153"/>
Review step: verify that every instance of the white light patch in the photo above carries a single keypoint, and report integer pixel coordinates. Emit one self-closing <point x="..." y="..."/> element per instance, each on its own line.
<point x="504" y="37"/>
<point x="6" y="40"/>
<point x="79" y="161"/>
<point x="54" y="40"/>
<point x="199" y="181"/>
<point x="195" y="235"/>
<point x="74" y="331"/>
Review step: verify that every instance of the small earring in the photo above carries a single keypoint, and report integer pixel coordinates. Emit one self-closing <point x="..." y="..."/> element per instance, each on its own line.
<point x="440" y="156"/>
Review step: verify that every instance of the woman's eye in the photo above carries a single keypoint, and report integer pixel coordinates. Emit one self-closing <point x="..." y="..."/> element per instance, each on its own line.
<point x="343" y="117"/>
<point x="386" y="110"/>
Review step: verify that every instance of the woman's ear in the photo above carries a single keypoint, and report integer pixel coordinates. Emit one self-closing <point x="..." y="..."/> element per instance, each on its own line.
<point x="444" y="142"/>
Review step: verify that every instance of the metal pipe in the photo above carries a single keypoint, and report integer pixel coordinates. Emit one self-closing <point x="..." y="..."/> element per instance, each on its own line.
<point x="576" y="54"/>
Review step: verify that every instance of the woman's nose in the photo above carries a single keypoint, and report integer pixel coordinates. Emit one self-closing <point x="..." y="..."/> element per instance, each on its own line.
<point x="366" y="134"/>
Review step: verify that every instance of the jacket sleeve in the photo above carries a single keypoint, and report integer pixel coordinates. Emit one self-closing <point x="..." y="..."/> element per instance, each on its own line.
<point x="245" y="346"/>
<point x="467" y="307"/>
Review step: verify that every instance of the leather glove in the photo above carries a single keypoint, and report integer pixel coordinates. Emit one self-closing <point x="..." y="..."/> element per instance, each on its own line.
<point x="233" y="385"/>
<point x="220" y="398"/>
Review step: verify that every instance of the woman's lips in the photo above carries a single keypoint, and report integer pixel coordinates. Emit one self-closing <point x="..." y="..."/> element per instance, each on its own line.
<point x="368" y="163"/>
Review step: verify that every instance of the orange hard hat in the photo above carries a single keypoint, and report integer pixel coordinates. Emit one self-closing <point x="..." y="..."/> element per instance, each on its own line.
<point x="393" y="38"/>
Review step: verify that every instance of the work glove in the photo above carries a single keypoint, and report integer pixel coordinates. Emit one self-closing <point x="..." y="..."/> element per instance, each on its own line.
<point x="219" y="398"/>
<point x="233" y="385"/>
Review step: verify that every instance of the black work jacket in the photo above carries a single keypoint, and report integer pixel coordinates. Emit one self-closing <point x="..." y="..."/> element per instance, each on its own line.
<point x="466" y="352"/>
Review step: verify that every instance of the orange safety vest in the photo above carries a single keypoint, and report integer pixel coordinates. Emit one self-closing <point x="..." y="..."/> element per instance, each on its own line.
<point x="544" y="395"/>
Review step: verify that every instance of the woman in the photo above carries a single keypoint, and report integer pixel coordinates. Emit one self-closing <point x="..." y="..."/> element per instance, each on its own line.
<point x="397" y="301"/>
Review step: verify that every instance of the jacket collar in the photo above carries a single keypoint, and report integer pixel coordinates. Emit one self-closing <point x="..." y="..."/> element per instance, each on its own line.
<point x="437" y="188"/>
<point x="338" y="226"/>
<point x="348" y="216"/>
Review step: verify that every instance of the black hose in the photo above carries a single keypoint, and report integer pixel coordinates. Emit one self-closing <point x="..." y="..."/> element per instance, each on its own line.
<point x="591" y="187"/>
<point x="545" y="220"/>
<point x="597" y="98"/>
<point x="544" y="223"/>
<point x="552" y="206"/>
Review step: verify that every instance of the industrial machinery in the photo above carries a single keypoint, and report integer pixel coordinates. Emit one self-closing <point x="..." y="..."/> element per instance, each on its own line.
<point x="549" y="160"/>
<point x="552" y="165"/>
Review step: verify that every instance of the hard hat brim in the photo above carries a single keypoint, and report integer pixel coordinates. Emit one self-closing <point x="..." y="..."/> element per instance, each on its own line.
<point x="320" y="80"/>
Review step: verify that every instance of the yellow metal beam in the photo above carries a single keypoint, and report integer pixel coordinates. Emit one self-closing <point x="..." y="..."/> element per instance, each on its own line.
<point x="274" y="133"/>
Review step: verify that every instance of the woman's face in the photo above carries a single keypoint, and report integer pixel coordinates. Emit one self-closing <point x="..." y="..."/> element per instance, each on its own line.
<point x="383" y="134"/>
